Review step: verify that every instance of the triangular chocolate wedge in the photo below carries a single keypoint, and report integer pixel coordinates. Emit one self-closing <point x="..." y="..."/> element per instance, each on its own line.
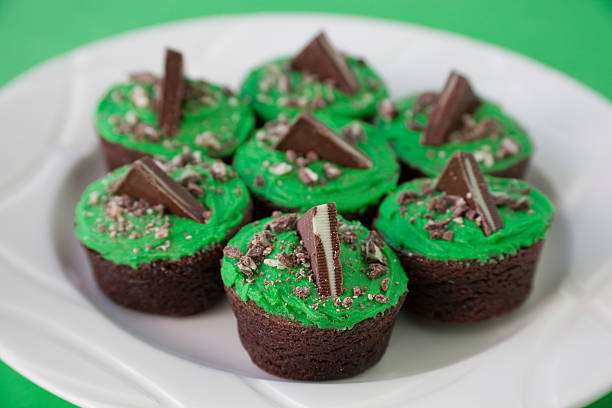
<point x="320" y="59"/>
<point x="308" y="134"/>
<point x="455" y="100"/>
<point x="173" y="88"/>
<point x="318" y="228"/>
<point x="462" y="177"/>
<point x="146" y="180"/>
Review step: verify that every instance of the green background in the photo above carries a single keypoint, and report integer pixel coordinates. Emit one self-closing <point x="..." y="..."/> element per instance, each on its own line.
<point x="573" y="36"/>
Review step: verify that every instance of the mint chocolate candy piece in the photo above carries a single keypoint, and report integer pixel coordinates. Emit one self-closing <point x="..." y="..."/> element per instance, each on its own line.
<point x="318" y="228"/>
<point x="462" y="177"/>
<point x="308" y="134"/>
<point x="146" y="180"/>
<point x="455" y="100"/>
<point x="173" y="89"/>
<point x="320" y="59"/>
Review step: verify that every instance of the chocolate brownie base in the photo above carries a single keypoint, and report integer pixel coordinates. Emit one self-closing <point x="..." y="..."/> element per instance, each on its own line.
<point x="264" y="208"/>
<point x="517" y="171"/>
<point x="117" y="155"/>
<point x="463" y="292"/>
<point x="290" y="350"/>
<point x="180" y="287"/>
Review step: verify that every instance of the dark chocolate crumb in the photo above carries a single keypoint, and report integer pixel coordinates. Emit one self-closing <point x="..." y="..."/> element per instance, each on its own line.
<point x="232" y="252"/>
<point x="387" y="109"/>
<point x="284" y="223"/>
<point x="376" y="270"/>
<point x="347" y="302"/>
<point x="331" y="171"/>
<point x="381" y="298"/>
<point x="407" y="197"/>
<point x="301" y="292"/>
<point x="384" y="285"/>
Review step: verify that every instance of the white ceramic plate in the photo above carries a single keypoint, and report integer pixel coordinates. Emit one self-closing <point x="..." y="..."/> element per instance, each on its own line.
<point x="58" y="330"/>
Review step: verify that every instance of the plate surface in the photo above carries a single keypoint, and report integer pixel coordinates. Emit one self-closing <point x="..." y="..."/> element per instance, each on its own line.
<point x="58" y="330"/>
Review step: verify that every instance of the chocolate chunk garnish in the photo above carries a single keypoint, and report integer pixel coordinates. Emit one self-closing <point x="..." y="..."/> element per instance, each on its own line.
<point x="373" y="248"/>
<point x="148" y="181"/>
<point x="218" y="171"/>
<point x="246" y="265"/>
<point x="447" y="235"/>
<point x="318" y="228"/>
<point x="455" y="100"/>
<point x="376" y="270"/>
<point x="260" y="246"/>
<point x="301" y="292"/>
<point x="284" y="223"/>
<point x="357" y="291"/>
<point x="232" y="252"/>
<point x="347" y="302"/>
<point x="173" y="88"/>
<point x="387" y="109"/>
<point x="331" y="171"/>
<point x="320" y="59"/>
<point x="384" y="285"/>
<point x="287" y="260"/>
<point x="437" y="225"/>
<point x="462" y="177"/>
<point x="348" y="236"/>
<point x="308" y="176"/>
<point x="479" y="130"/>
<point x="308" y="134"/>
<point x="143" y="77"/>
<point x="381" y="298"/>
<point x="407" y="197"/>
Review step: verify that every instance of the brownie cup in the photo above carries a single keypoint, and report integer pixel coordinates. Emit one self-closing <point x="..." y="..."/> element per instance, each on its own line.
<point x="479" y="126"/>
<point x="459" y="269"/>
<point x="291" y="177"/>
<point x="131" y="122"/>
<point x="318" y="79"/>
<point x="154" y="231"/>
<point x="295" y="322"/>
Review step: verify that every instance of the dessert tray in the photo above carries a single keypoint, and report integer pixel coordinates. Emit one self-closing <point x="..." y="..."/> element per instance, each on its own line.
<point x="63" y="334"/>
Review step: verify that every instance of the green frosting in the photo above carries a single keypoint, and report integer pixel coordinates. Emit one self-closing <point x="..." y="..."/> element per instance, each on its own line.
<point x="432" y="159"/>
<point x="522" y="228"/>
<point x="132" y="240"/>
<point x="272" y="289"/>
<point x="213" y="122"/>
<point x="353" y="191"/>
<point x="274" y="89"/>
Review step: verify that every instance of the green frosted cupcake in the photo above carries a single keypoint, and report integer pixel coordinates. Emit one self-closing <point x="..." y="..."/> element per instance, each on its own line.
<point x="151" y="254"/>
<point x="318" y="79"/>
<point x="293" y="327"/>
<point x="499" y="144"/>
<point x="209" y="118"/>
<point x="460" y="269"/>
<point x="290" y="179"/>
